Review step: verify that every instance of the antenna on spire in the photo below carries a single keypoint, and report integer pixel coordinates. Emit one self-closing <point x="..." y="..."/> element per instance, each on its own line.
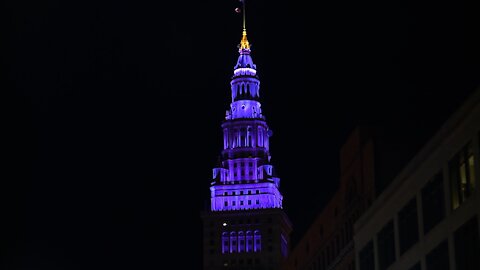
<point x="244" y="45"/>
<point x="244" y="23"/>
<point x="242" y="10"/>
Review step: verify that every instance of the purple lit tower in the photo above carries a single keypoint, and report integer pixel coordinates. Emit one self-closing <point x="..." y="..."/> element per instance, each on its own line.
<point x="245" y="227"/>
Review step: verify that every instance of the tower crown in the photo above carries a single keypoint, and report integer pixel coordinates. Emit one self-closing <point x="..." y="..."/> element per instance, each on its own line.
<point x="245" y="84"/>
<point x="245" y="65"/>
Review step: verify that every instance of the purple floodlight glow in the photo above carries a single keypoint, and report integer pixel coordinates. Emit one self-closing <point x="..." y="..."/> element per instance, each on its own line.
<point x="245" y="109"/>
<point x="245" y="61"/>
<point x="244" y="71"/>
<point x="241" y="241"/>
<point x="245" y="178"/>
<point x="245" y="196"/>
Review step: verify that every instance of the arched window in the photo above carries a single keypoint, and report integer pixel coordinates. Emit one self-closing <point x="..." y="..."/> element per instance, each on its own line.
<point x="242" y="137"/>
<point x="225" y="138"/>
<point x="234" y="138"/>
<point x="249" y="137"/>
<point x="237" y="136"/>
<point x="260" y="136"/>
<point x="225" y="243"/>
<point x="249" y="244"/>
<point x="233" y="242"/>
<point x="257" y="244"/>
<point x="265" y="140"/>
<point x="241" y="242"/>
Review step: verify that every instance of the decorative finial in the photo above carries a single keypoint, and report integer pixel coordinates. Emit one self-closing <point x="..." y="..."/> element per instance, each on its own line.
<point x="244" y="45"/>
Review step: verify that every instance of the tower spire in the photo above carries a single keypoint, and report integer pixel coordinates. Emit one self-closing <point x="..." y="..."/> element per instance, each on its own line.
<point x="244" y="45"/>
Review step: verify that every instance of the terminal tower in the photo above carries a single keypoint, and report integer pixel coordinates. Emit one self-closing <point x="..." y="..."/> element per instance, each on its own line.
<point x="245" y="227"/>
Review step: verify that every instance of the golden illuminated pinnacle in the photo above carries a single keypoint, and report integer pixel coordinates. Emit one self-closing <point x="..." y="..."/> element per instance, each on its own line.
<point x="244" y="45"/>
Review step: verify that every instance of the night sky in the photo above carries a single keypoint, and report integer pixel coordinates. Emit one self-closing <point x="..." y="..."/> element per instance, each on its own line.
<point x="113" y="111"/>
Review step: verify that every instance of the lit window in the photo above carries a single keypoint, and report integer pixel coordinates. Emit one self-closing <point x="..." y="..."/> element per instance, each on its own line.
<point x="225" y="241"/>
<point x="249" y="246"/>
<point x="233" y="242"/>
<point x="241" y="242"/>
<point x="462" y="175"/>
<point x="257" y="241"/>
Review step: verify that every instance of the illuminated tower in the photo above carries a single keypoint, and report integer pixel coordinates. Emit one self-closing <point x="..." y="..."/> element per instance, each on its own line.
<point x="245" y="227"/>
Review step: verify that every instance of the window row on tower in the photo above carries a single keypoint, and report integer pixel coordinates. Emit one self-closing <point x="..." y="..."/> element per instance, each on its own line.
<point x="246" y="174"/>
<point x="245" y="89"/>
<point x="245" y="137"/>
<point x="239" y="242"/>
<point x="221" y="200"/>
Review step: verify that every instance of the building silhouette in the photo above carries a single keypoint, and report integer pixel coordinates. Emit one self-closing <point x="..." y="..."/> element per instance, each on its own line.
<point x="245" y="226"/>
<point x="428" y="217"/>
<point x="420" y="214"/>
<point x="328" y="242"/>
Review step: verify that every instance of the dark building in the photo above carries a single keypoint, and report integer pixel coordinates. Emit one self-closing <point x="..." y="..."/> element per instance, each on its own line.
<point x="245" y="227"/>
<point x="397" y="209"/>
<point x="369" y="159"/>
<point x="328" y="242"/>
<point x="428" y="216"/>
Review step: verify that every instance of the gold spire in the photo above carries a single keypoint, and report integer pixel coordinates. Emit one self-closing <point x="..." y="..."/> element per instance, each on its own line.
<point x="244" y="45"/>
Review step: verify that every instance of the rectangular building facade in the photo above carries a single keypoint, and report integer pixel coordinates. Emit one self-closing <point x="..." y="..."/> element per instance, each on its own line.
<point x="428" y="218"/>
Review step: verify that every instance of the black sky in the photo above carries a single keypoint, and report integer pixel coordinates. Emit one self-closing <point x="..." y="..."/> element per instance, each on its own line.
<point x="113" y="111"/>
